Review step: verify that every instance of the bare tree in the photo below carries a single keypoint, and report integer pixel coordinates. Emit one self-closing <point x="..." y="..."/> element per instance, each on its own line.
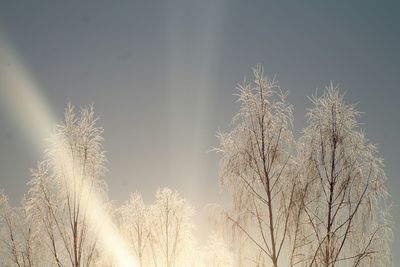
<point x="344" y="220"/>
<point x="134" y="222"/>
<point x="256" y="166"/>
<point x="318" y="202"/>
<point x="19" y="240"/>
<point x="171" y="229"/>
<point x="62" y="186"/>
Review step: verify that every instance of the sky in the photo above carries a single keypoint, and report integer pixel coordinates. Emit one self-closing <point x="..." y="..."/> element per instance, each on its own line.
<point x="162" y="78"/>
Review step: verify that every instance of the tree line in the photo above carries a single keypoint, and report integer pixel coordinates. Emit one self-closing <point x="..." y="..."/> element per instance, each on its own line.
<point x="316" y="200"/>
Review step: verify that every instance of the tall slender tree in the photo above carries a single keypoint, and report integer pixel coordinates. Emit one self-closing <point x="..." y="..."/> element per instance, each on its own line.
<point x="171" y="229"/>
<point x="345" y="212"/>
<point x="62" y="186"/>
<point x="256" y="166"/>
<point x="134" y="218"/>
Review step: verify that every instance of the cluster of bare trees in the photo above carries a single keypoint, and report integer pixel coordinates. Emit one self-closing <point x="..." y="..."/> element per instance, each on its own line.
<point x="159" y="234"/>
<point x="318" y="200"/>
<point x="52" y="225"/>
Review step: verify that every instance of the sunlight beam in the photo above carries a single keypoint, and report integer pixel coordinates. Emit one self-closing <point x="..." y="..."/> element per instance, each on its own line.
<point x="20" y="94"/>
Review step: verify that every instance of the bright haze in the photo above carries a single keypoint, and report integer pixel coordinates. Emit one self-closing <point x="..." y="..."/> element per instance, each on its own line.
<point x="162" y="78"/>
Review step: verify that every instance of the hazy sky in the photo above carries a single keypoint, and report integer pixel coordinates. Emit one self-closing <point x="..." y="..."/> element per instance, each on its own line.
<point x="162" y="75"/>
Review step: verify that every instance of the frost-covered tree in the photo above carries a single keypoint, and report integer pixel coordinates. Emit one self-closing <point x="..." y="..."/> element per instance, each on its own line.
<point x="256" y="167"/>
<point x="344" y="220"/>
<point x="320" y="201"/>
<point x="134" y="221"/>
<point x="171" y="240"/>
<point x="62" y="186"/>
<point x="19" y="242"/>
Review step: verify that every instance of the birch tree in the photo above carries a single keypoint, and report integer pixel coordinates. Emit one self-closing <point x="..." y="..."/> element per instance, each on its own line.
<point x="19" y="242"/>
<point x="345" y="212"/>
<point x="62" y="186"/>
<point x="256" y="167"/>
<point x="135" y="225"/>
<point x="171" y="229"/>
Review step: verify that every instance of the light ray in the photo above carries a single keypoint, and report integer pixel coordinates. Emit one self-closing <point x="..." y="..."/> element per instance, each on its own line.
<point x="20" y="94"/>
<point x="193" y="60"/>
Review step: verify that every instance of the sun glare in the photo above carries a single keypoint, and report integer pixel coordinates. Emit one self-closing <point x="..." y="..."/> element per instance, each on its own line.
<point x="21" y="95"/>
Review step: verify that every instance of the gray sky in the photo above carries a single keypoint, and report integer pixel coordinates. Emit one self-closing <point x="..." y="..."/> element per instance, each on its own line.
<point x="162" y="75"/>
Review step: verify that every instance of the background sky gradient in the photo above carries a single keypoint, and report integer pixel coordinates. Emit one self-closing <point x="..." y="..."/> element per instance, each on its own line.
<point x="162" y="77"/>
